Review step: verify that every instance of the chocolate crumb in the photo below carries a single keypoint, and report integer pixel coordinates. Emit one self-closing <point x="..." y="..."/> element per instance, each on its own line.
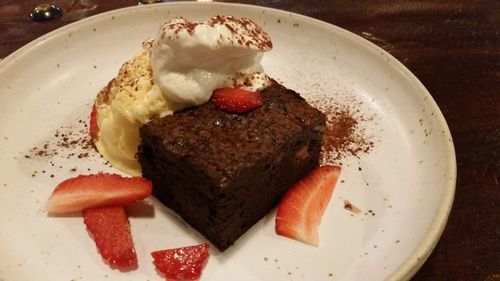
<point x="69" y="142"/>
<point x="350" y="207"/>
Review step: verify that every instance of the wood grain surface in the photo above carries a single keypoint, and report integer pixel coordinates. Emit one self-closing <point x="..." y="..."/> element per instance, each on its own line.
<point x="452" y="46"/>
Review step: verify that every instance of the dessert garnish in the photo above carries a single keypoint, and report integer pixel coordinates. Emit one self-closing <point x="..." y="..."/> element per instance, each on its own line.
<point x="93" y="127"/>
<point x="101" y="198"/>
<point x="181" y="263"/>
<point x="110" y="230"/>
<point x="191" y="59"/>
<point x="179" y="68"/>
<point x="236" y="100"/>
<point x="301" y="208"/>
<point x="86" y="191"/>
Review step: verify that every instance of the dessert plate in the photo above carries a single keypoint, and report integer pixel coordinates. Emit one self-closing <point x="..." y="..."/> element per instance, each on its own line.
<point x="403" y="186"/>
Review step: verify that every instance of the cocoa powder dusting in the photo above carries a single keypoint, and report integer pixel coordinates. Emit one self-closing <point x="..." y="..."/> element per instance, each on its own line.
<point x="344" y="134"/>
<point x="70" y="142"/>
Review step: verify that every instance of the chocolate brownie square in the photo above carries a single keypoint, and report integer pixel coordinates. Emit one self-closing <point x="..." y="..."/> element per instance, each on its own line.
<point x="222" y="172"/>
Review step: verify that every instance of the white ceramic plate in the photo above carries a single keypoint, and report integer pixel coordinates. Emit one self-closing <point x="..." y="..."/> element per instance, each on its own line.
<point x="408" y="179"/>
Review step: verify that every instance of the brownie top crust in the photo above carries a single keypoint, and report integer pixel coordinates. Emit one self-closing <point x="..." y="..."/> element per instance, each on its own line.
<point x="223" y="143"/>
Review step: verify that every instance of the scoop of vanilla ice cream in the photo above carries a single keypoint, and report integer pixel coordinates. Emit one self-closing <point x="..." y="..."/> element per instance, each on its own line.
<point x="191" y="59"/>
<point x="130" y="100"/>
<point x="178" y="68"/>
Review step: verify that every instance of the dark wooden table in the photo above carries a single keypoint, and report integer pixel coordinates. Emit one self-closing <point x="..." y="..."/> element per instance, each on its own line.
<point x="452" y="46"/>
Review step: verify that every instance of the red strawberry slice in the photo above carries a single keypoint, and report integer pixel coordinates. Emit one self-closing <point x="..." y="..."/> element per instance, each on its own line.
<point x="86" y="191"/>
<point x="236" y="100"/>
<point x="301" y="208"/>
<point x="181" y="263"/>
<point x="110" y="229"/>
<point x="93" y="127"/>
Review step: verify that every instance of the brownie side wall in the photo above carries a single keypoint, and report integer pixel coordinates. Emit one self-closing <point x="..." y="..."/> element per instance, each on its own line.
<point x="177" y="184"/>
<point x="224" y="217"/>
<point x="261" y="187"/>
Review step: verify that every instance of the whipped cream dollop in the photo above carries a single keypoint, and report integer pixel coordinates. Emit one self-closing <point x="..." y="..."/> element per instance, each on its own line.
<point x="178" y="68"/>
<point x="191" y="59"/>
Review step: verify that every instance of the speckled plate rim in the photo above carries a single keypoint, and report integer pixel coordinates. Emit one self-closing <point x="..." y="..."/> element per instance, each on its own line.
<point x="419" y="255"/>
<point x="417" y="258"/>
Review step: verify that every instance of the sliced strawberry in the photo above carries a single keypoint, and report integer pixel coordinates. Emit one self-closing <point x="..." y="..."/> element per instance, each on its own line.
<point x="93" y="127"/>
<point x="181" y="263"/>
<point x="236" y="100"/>
<point x="86" y="191"/>
<point x="110" y="229"/>
<point x="301" y="208"/>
